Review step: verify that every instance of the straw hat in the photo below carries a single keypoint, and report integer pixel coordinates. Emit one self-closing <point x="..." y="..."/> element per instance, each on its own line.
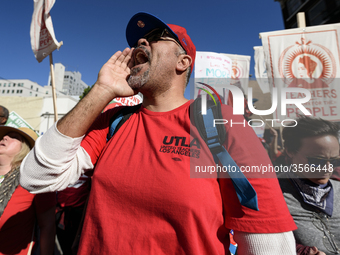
<point x="27" y="133"/>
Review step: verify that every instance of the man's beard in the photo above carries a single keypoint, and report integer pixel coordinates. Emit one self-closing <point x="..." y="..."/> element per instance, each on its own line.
<point x="137" y="81"/>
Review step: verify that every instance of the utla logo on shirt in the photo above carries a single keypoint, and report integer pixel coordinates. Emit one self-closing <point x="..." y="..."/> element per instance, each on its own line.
<point x="181" y="146"/>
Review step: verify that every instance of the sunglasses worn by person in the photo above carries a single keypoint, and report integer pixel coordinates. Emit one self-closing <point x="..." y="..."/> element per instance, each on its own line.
<point x="320" y="162"/>
<point x="159" y="35"/>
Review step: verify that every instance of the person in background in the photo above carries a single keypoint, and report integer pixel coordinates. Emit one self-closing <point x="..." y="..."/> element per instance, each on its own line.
<point x="275" y="151"/>
<point x="3" y="115"/>
<point x="20" y="210"/>
<point x="312" y="152"/>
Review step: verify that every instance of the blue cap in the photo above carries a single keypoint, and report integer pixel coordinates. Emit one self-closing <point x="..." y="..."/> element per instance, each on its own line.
<point x="141" y="24"/>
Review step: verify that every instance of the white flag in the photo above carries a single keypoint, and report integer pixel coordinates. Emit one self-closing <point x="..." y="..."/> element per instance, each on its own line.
<point x="306" y="58"/>
<point x="43" y="40"/>
<point x="261" y="69"/>
<point x="240" y="71"/>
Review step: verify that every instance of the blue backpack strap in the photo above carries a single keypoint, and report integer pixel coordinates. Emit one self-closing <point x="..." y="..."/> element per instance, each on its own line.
<point x="114" y="125"/>
<point x="244" y="190"/>
<point x="118" y="119"/>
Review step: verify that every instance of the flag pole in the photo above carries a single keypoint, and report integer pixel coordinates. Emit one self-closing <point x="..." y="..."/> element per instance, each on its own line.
<point x="53" y="90"/>
<point x="301" y="20"/>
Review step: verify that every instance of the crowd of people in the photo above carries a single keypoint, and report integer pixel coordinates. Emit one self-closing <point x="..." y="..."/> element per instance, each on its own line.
<point x="124" y="195"/>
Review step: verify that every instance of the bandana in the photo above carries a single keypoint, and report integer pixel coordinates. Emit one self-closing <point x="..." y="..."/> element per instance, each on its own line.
<point x="318" y="196"/>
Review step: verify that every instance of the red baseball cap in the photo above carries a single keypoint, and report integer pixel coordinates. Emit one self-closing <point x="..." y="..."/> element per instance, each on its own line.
<point x="142" y="23"/>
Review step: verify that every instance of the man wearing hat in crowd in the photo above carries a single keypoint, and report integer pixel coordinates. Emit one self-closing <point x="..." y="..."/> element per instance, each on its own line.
<point x="142" y="199"/>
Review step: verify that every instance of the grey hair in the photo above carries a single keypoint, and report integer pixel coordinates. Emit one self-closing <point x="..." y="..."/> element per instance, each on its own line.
<point x="183" y="52"/>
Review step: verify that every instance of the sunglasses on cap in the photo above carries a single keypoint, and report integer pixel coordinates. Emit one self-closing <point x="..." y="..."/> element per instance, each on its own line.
<point x="158" y="35"/>
<point x="320" y="162"/>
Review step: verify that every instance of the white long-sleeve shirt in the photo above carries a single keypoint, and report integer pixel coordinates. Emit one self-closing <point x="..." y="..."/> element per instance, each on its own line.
<point x="55" y="162"/>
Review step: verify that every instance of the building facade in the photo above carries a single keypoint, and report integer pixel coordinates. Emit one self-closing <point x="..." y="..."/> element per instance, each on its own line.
<point x="67" y="82"/>
<point x="317" y="12"/>
<point x="21" y="88"/>
<point x="24" y="88"/>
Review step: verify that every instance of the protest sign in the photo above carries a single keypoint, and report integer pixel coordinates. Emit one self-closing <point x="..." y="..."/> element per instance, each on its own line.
<point x="215" y="70"/>
<point x="16" y="121"/>
<point x="261" y="69"/>
<point x="125" y="101"/>
<point x="240" y="71"/>
<point x="306" y="58"/>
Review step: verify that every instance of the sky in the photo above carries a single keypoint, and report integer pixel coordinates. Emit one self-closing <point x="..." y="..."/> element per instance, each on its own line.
<point x="93" y="30"/>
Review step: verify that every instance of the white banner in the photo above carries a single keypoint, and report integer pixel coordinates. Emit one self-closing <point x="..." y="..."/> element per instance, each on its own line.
<point x="240" y="71"/>
<point x="43" y="40"/>
<point x="126" y="101"/>
<point x="306" y="58"/>
<point x="261" y="69"/>
<point x="130" y="101"/>
<point x="215" y="70"/>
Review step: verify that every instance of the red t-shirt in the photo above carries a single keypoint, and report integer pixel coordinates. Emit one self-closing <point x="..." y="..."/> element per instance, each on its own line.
<point x="18" y="218"/>
<point x="75" y="195"/>
<point x="144" y="199"/>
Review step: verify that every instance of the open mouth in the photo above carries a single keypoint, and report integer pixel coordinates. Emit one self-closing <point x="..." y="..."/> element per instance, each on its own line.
<point x="140" y="57"/>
